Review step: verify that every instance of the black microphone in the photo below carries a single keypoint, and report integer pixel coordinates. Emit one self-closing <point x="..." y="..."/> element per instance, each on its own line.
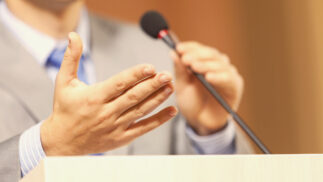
<point x="154" y="24"/>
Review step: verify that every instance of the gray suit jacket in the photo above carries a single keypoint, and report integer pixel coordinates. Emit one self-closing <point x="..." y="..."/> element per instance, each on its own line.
<point x="26" y="92"/>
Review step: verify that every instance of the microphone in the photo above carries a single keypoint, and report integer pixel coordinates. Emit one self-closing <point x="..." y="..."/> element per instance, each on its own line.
<point x="155" y="25"/>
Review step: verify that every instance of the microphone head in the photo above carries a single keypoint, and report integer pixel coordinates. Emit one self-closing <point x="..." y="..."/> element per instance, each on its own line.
<point x="152" y="23"/>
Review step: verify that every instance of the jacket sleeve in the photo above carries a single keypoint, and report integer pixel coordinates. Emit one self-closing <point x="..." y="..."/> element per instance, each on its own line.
<point x="9" y="160"/>
<point x="14" y="120"/>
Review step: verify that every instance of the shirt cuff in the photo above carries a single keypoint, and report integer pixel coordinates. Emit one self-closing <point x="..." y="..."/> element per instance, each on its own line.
<point x="222" y="142"/>
<point x="30" y="149"/>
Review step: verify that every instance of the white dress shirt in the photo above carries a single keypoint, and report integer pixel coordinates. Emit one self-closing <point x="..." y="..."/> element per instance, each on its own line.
<point x="40" y="46"/>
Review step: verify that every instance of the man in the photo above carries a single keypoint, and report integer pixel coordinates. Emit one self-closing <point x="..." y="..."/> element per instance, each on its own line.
<point x="91" y="114"/>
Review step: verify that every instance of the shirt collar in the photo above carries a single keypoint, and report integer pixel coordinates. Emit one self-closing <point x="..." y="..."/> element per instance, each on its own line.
<point x="38" y="44"/>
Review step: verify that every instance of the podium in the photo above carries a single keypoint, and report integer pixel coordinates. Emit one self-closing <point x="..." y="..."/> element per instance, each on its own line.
<point x="214" y="168"/>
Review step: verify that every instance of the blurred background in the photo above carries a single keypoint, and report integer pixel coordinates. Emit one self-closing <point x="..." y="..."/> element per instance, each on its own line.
<point x="278" y="47"/>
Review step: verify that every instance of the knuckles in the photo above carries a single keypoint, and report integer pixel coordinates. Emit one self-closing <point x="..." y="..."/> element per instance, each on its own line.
<point x="155" y="84"/>
<point x="139" y="73"/>
<point x="133" y="98"/>
<point x="139" y="112"/>
<point x="225" y="58"/>
<point x="120" y="86"/>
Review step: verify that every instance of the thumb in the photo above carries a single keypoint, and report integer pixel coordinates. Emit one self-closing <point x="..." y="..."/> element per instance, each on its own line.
<point x="73" y="53"/>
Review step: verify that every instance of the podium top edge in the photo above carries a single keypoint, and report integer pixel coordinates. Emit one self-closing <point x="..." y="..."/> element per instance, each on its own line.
<point x="189" y="156"/>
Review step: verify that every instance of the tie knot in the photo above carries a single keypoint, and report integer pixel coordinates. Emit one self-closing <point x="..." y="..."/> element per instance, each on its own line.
<point x="55" y="58"/>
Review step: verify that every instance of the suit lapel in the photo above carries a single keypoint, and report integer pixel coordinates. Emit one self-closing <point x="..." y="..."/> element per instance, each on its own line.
<point x="21" y="75"/>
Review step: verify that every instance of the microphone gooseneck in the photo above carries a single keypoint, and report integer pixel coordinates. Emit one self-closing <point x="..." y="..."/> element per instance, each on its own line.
<point x="156" y="27"/>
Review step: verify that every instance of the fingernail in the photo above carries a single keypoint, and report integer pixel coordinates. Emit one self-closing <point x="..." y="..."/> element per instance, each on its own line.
<point x="168" y="91"/>
<point x="149" y="70"/>
<point x="165" y="78"/>
<point x="70" y="38"/>
<point x="173" y="112"/>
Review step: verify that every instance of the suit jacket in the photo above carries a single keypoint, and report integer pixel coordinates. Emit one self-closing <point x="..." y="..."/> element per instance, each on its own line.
<point x="26" y="91"/>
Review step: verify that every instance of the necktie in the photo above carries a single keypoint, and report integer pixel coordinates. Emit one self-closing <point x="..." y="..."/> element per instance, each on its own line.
<point x="55" y="60"/>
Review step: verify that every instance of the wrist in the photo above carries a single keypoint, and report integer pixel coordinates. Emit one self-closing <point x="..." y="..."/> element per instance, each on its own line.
<point x="209" y="125"/>
<point x="51" y="139"/>
<point x="45" y="137"/>
<point x="205" y="131"/>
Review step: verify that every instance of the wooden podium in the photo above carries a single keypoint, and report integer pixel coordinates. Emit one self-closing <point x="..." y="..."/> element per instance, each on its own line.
<point x="220" y="168"/>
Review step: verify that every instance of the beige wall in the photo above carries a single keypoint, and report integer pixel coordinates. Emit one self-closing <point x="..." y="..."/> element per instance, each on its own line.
<point x="277" y="48"/>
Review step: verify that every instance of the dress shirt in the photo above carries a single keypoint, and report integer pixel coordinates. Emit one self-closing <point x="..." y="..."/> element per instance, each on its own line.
<point x="40" y="46"/>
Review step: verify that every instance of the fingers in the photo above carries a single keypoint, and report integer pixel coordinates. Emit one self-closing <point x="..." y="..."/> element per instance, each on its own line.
<point x="202" y="59"/>
<point x="69" y="67"/>
<point x="210" y="66"/>
<point x="119" y="83"/>
<point x="202" y="55"/>
<point x="150" y="123"/>
<point x="189" y="47"/>
<point x="192" y="51"/>
<point x="224" y="79"/>
<point x="199" y="54"/>
<point x="140" y="92"/>
<point x="145" y="107"/>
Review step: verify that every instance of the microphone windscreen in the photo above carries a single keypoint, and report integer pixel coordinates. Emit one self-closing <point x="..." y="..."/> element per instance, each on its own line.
<point x="152" y="23"/>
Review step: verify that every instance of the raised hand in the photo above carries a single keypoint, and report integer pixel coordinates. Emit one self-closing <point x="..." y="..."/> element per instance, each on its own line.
<point x="97" y="118"/>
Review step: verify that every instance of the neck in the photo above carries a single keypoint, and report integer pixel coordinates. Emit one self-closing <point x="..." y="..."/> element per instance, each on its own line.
<point x="56" y="22"/>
